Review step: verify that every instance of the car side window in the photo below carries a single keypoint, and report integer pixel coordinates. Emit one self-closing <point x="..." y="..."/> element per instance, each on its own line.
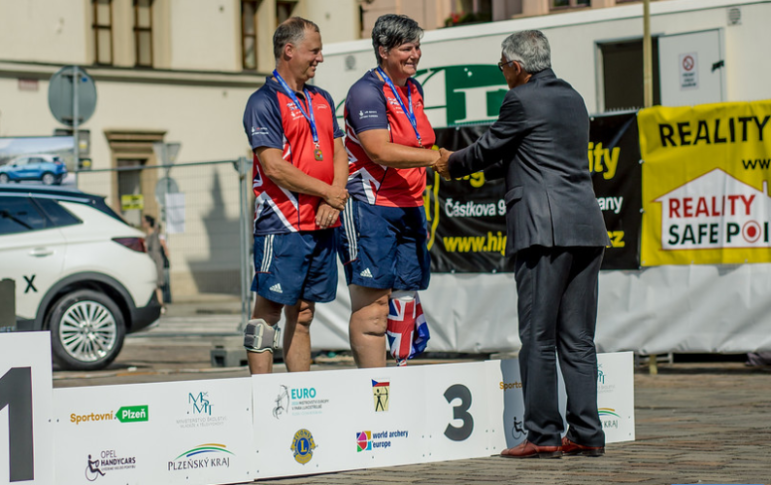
<point x="57" y="215"/>
<point x="19" y="214"/>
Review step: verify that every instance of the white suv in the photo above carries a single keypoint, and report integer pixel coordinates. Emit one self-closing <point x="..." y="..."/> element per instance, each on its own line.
<point x="80" y="271"/>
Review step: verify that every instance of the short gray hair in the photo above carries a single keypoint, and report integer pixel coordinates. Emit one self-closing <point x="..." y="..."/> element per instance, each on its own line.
<point x="530" y="48"/>
<point x="393" y="30"/>
<point x="291" y="31"/>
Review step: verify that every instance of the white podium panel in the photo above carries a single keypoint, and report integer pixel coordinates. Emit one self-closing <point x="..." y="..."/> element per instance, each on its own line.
<point x="615" y="395"/>
<point x="457" y="403"/>
<point x="337" y="420"/>
<point x="615" y="399"/>
<point x="26" y="431"/>
<point x="194" y="432"/>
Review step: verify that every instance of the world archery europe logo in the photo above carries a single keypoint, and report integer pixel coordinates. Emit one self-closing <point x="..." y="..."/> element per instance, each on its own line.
<point x="303" y="446"/>
<point x="363" y="441"/>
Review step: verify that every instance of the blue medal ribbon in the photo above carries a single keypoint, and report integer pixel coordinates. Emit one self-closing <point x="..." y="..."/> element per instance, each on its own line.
<point x="308" y="116"/>
<point x="409" y="113"/>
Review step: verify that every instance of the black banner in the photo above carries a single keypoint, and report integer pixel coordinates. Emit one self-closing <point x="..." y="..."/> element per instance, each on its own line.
<point x="466" y="216"/>
<point x="614" y="160"/>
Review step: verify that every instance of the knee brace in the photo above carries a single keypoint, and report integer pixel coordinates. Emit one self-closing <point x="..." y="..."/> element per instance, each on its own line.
<point x="260" y="337"/>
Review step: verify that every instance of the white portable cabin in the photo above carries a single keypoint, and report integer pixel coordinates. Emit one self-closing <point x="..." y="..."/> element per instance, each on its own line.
<point x="705" y="51"/>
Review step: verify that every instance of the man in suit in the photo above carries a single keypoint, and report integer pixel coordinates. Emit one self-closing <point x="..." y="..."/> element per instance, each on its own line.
<point x="557" y="234"/>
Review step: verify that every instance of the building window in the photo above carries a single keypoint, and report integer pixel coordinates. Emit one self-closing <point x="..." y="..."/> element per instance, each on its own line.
<point x="249" y="34"/>
<point x="557" y="4"/>
<point x="143" y="32"/>
<point x="102" y="31"/>
<point x="284" y="10"/>
<point x="470" y="12"/>
<point x="622" y="75"/>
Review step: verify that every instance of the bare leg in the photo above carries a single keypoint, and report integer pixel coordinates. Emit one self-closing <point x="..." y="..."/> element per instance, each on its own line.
<point x="369" y="318"/>
<point x="270" y="311"/>
<point x="297" y="336"/>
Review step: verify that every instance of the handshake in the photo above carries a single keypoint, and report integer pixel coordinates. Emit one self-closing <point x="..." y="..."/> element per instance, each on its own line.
<point x="441" y="164"/>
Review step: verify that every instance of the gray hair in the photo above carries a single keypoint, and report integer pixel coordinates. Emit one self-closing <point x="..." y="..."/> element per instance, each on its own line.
<point x="291" y="31"/>
<point x="530" y="48"/>
<point x="393" y="30"/>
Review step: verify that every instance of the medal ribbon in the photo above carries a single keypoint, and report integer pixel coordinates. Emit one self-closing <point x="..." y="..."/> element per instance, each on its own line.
<point x="409" y="113"/>
<point x="308" y="116"/>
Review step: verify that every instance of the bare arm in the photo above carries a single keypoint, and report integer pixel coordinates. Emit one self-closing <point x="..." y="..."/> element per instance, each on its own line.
<point x="379" y="148"/>
<point x="289" y="177"/>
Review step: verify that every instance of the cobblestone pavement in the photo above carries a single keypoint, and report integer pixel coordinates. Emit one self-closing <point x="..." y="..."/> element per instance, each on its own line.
<point x="696" y="423"/>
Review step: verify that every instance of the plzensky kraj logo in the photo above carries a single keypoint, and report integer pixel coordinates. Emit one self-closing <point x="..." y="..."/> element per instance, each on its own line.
<point x="204" y="456"/>
<point x="609" y="418"/>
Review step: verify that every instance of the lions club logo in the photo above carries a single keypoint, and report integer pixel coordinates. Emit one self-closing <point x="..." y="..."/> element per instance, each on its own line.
<point x="303" y="446"/>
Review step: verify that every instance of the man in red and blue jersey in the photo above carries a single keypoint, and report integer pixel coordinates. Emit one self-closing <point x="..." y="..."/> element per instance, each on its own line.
<point x="300" y="171"/>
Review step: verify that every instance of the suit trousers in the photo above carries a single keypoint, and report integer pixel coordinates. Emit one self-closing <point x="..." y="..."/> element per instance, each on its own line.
<point x="557" y="291"/>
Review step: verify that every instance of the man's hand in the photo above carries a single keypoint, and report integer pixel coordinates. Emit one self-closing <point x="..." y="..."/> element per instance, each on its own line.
<point x="326" y="215"/>
<point x="442" y="166"/>
<point x="336" y="197"/>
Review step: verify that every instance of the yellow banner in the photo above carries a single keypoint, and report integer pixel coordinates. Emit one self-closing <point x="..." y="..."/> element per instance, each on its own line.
<point x="705" y="184"/>
<point x="132" y="202"/>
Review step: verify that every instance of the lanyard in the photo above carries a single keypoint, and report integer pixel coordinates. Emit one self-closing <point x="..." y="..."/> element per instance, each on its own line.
<point x="309" y="116"/>
<point x="410" y="114"/>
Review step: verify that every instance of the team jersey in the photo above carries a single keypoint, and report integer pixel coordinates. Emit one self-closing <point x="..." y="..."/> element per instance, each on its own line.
<point x="272" y="120"/>
<point x="371" y="105"/>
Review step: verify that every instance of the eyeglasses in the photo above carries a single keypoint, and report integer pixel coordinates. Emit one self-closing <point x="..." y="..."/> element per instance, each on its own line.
<point x="506" y="63"/>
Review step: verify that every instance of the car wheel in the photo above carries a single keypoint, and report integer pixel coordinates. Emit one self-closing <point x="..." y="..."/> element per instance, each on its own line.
<point x="48" y="179"/>
<point x="3" y="178"/>
<point x="87" y="330"/>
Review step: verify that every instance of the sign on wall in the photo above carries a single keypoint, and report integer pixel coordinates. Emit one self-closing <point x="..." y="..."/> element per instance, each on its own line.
<point x="26" y="444"/>
<point x="705" y="184"/>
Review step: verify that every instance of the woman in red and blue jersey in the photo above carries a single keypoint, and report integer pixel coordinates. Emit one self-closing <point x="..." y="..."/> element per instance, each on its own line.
<point x="384" y="236"/>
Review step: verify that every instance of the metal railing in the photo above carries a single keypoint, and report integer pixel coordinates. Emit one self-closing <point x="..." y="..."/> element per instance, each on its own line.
<point x="204" y="212"/>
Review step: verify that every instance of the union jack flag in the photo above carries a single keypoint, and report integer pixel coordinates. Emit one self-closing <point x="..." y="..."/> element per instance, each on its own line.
<point x="407" y="329"/>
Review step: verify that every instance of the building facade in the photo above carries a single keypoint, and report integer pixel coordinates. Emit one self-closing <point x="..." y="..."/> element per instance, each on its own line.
<point x="165" y="71"/>
<point x="434" y="14"/>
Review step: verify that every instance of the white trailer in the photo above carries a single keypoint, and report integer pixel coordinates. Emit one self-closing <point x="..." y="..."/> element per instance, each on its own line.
<point x="705" y="51"/>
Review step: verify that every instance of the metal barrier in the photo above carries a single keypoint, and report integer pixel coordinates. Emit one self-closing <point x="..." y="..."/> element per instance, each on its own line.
<point x="204" y="212"/>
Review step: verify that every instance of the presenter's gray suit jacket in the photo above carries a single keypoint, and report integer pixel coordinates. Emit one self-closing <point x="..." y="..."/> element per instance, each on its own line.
<point x="539" y="144"/>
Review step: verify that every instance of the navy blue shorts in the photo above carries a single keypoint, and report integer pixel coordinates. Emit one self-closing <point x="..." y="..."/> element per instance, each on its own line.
<point x="296" y="266"/>
<point x="384" y="247"/>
